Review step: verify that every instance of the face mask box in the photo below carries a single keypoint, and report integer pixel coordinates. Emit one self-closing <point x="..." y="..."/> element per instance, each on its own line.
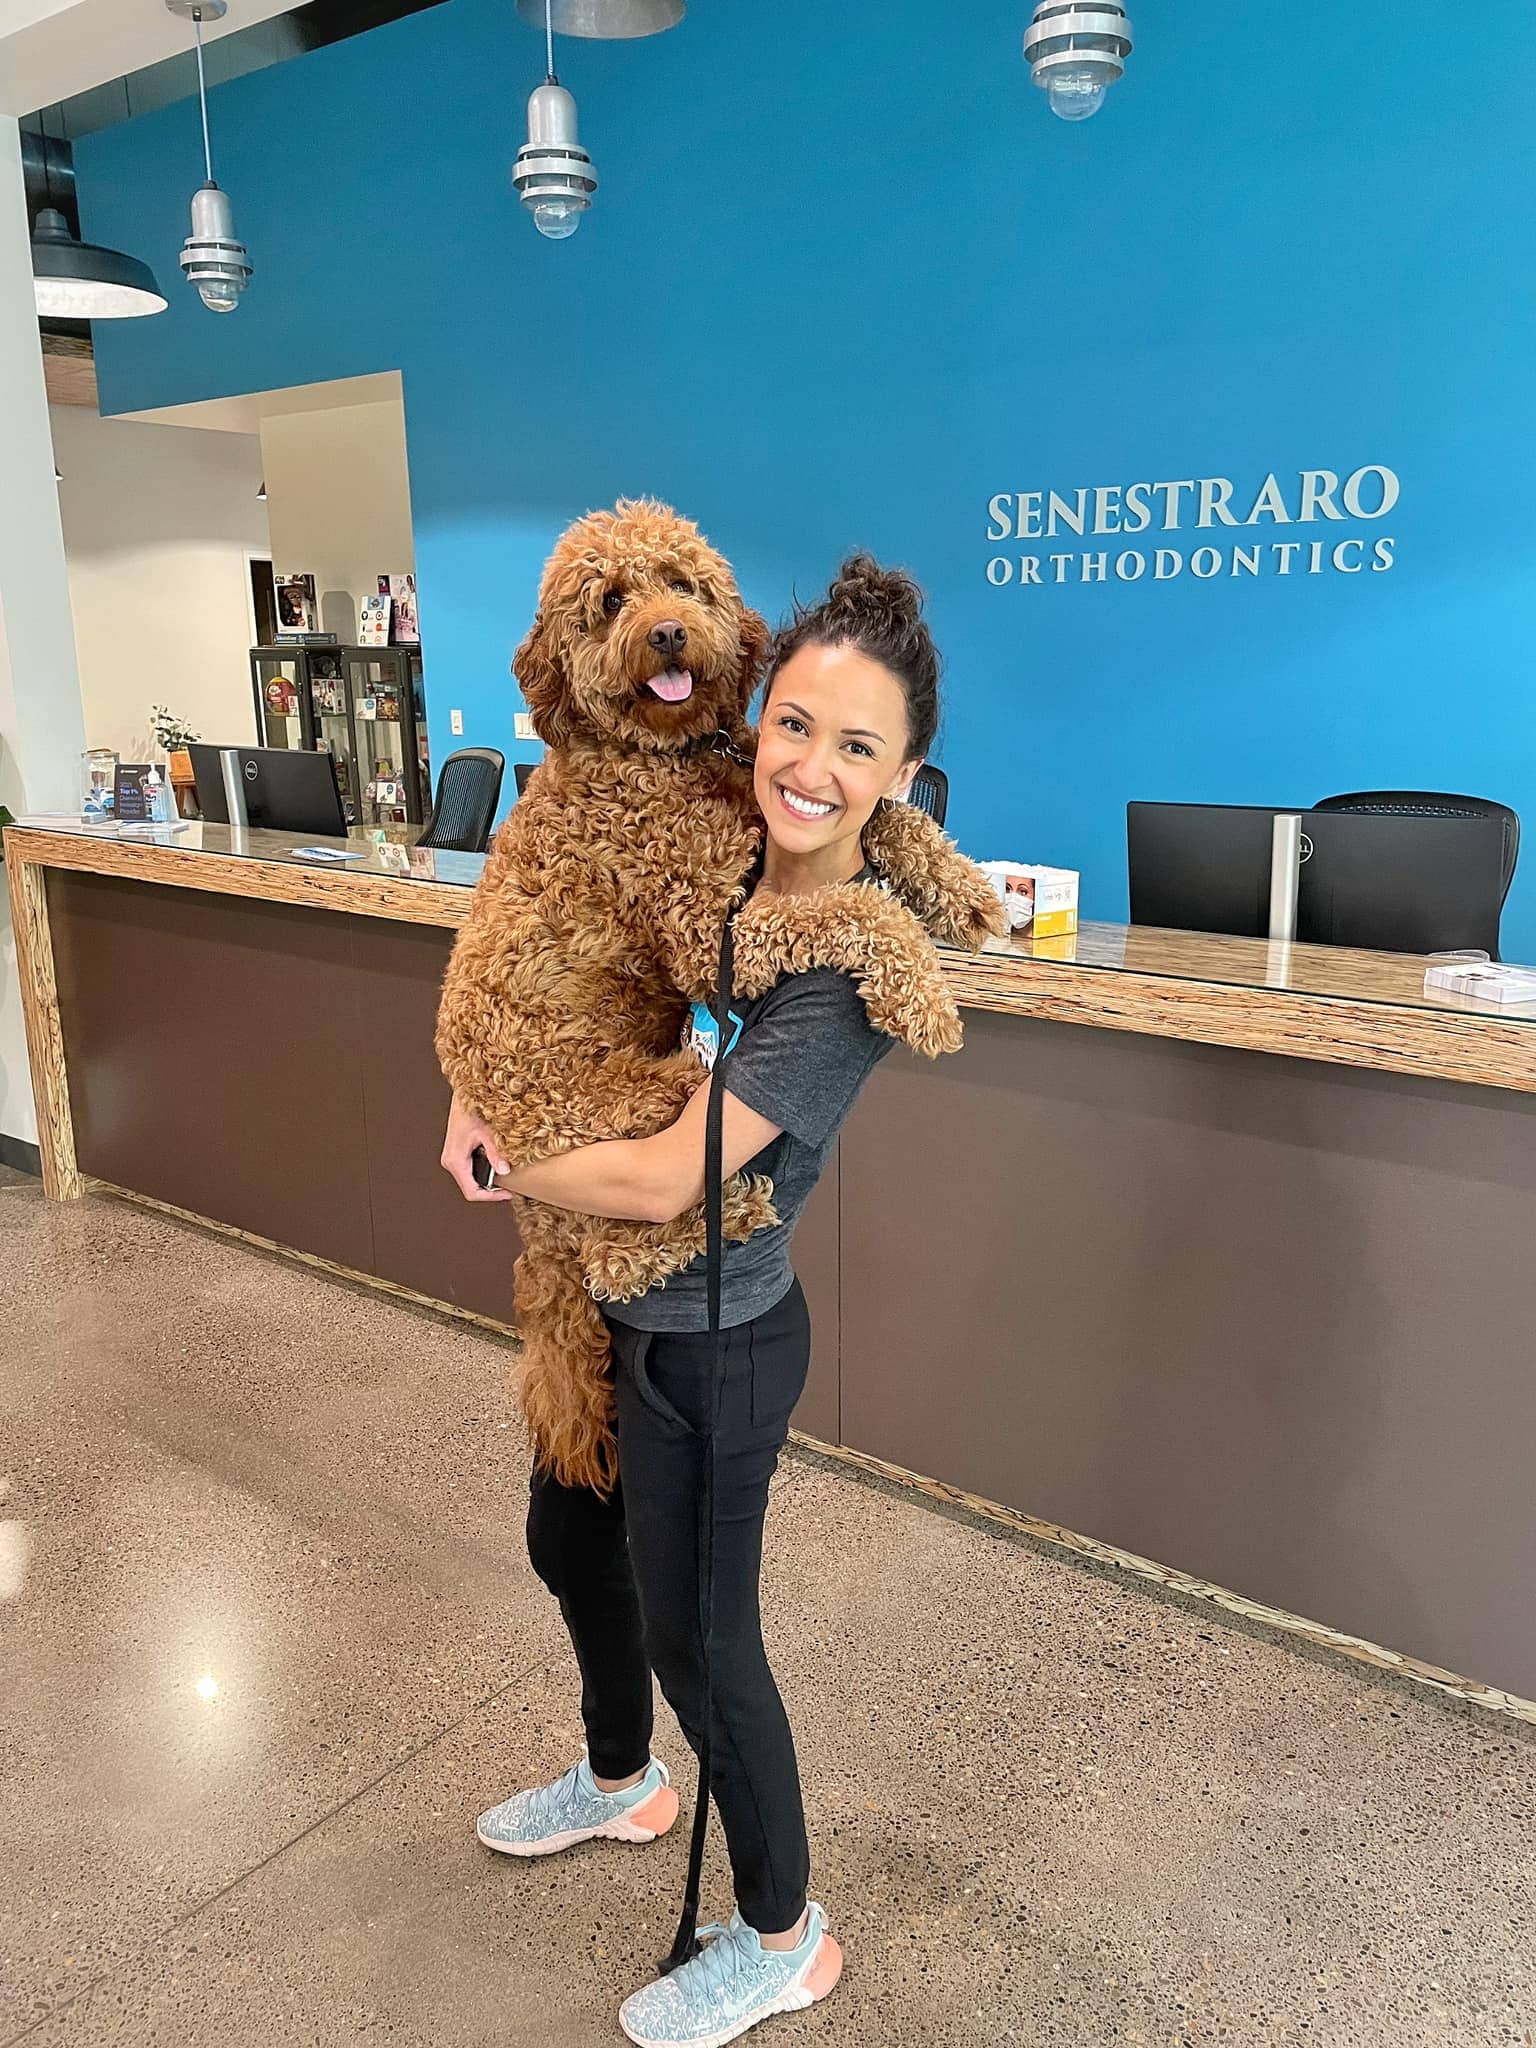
<point x="1038" y="902"/>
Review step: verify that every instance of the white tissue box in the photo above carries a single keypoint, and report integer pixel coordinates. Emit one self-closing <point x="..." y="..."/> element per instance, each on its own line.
<point x="1038" y="902"/>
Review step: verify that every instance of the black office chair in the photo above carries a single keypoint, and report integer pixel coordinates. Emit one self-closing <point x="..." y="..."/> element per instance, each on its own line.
<point x="467" y="793"/>
<point x="930" y="792"/>
<point x="1424" y="803"/>
<point x="521" y="770"/>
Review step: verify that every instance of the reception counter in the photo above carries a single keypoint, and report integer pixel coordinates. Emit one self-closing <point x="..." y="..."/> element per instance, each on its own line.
<point x="1205" y="1257"/>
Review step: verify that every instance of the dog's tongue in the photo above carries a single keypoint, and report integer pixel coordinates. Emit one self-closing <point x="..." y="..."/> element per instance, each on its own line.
<point x="673" y="685"/>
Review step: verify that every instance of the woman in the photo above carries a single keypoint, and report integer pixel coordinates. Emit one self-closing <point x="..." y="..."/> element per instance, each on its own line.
<point x="850" y="711"/>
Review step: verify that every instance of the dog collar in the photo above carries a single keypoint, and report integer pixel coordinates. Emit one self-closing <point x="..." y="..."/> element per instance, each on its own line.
<point x="720" y="742"/>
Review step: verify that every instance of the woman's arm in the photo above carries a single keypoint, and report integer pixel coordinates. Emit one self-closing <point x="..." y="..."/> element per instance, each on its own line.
<point x="649" y="1179"/>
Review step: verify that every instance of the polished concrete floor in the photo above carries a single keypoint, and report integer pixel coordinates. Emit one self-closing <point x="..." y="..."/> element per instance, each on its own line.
<point x="1047" y="1808"/>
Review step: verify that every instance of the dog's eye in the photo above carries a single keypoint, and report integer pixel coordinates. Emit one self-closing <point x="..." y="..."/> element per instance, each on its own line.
<point x="613" y="602"/>
<point x="681" y="583"/>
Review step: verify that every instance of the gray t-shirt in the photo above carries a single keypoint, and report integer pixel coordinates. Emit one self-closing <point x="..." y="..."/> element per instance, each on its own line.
<point x="803" y="1052"/>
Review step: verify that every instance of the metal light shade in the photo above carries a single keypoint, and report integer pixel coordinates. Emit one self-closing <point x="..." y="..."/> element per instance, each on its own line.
<point x="604" y="20"/>
<point x="553" y="173"/>
<point x="1075" y="50"/>
<point x="74" y="280"/>
<point x="212" y="257"/>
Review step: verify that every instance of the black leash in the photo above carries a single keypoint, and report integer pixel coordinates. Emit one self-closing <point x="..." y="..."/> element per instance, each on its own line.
<point x="686" y="1943"/>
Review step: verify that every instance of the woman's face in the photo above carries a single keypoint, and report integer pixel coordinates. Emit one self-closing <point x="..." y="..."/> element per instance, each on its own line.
<point x="831" y="743"/>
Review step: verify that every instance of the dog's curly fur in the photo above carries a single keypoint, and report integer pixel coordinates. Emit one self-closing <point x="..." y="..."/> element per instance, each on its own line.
<point x="597" y="921"/>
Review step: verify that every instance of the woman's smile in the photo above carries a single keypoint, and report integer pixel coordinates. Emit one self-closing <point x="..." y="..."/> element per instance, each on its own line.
<point x="808" y="809"/>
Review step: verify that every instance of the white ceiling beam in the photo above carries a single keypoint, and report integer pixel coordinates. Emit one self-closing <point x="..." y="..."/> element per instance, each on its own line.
<point x="51" y="49"/>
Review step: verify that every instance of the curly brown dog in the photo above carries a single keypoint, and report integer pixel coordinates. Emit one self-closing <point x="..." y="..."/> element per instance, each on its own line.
<point x="597" y="921"/>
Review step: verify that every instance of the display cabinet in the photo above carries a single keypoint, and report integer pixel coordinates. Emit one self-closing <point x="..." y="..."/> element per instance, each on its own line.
<point x="366" y="708"/>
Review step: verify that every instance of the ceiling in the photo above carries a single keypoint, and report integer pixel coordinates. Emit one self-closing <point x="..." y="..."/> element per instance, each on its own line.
<point x="245" y="414"/>
<point x="75" y="66"/>
<point x="53" y="49"/>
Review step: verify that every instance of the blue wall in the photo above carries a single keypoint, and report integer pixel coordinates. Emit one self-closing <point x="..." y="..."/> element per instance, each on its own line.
<point x="846" y="278"/>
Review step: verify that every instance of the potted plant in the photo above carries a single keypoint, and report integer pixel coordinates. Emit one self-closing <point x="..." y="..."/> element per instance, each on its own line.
<point x="172" y="735"/>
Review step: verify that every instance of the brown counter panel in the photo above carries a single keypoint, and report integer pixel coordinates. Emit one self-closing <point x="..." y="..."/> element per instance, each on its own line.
<point x="1266" y="1320"/>
<point x="816" y="1254"/>
<point x="212" y="1057"/>
<point x="426" y="1236"/>
<point x="270" y="1067"/>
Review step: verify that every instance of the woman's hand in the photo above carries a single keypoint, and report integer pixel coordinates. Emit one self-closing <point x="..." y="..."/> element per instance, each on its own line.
<point x="466" y="1131"/>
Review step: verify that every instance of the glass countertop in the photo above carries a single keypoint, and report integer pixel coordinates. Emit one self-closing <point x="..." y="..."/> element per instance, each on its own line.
<point x="1345" y="973"/>
<point x="385" y="850"/>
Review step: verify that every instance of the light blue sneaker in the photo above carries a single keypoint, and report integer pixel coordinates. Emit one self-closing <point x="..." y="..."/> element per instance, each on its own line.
<point x="731" y="1984"/>
<point x="548" y="1818"/>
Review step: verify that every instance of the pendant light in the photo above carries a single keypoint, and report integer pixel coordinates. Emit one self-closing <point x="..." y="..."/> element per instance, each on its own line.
<point x="212" y="257"/>
<point x="1075" y="50"/>
<point x="553" y="173"/>
<point x="604" y="20"/>
<point x="75" y="280"/>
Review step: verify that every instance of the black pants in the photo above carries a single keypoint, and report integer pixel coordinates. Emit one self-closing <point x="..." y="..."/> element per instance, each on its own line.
<point x="626" y="1574"/>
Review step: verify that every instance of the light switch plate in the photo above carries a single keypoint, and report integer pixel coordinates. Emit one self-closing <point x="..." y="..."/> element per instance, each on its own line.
<point x="522" y="725"/>
<point x="456" y="723"/>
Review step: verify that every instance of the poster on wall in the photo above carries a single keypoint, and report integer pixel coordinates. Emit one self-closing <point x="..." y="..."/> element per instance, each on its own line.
<point x="373" y="622"/>
<point x="401" y="591"/>
<point x="298" y="612"/>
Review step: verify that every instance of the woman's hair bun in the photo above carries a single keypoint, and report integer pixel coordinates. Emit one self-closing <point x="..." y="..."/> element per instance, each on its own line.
<point x="865" y="589"/>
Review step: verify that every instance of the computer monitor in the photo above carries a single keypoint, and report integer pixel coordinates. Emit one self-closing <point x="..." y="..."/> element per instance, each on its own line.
<point x="1400" y="885"/>
<point x="1201" y="867"/>
<point x="285" y="789"/>
<point x="1387" y="884"/>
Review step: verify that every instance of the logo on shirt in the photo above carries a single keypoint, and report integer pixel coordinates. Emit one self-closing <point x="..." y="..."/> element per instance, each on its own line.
<point x="701" y="1034"/>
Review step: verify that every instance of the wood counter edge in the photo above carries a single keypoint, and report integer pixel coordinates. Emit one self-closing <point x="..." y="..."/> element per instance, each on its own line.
<point x="1432" y="1045"/>
<point x="1426" y="1044"/>
<point x="40" y="1019"/>
<point x="398" y="898"/>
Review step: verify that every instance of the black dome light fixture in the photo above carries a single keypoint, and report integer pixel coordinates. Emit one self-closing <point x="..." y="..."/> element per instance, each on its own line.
<point x="212" y="256"/>
<point x="75" y="280"/>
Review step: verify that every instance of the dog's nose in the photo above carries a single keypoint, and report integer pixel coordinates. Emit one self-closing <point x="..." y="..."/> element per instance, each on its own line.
<point x="670" y="637"/>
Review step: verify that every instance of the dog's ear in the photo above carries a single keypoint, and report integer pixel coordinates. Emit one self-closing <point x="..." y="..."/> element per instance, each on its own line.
<point x="543" y="686"/>
<point x="755" y="641"/>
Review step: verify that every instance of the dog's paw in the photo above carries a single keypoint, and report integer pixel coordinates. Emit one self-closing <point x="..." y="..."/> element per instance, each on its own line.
<point x="747" y="1206"/>
<point x="620" y="1260"/>
<point x="617" y="1267"/>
